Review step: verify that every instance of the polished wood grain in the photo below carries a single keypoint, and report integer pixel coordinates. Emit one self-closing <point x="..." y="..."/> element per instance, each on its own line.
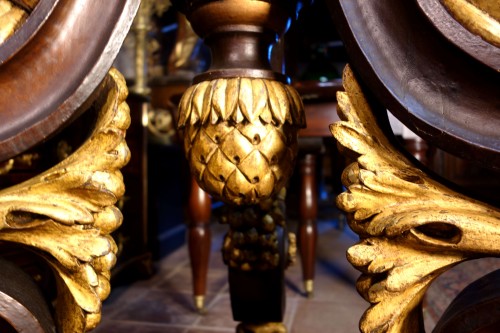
<point x="308" y="211"/>
<point x="199" y="240"/>
<point x="475" y="309"/>
<point x="455" y="32"/>
<point x="440" y="93"/>
<point x="57" y="65"/>
<point x="23" y="307"/>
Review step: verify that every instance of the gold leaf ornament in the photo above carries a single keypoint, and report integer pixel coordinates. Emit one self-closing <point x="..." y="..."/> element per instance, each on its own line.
<point x="67" y="213"/>
<point x="241" y="136"/>
<point x="412" y="227"/>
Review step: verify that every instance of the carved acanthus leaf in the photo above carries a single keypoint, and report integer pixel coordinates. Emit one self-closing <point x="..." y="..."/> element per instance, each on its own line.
<point x="68" y="212"/>
<point x="412" y="227"/>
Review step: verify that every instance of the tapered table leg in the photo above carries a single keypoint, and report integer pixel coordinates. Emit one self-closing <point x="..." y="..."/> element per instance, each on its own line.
<point x="308" y="211"/>
<point x="199" y="240"/>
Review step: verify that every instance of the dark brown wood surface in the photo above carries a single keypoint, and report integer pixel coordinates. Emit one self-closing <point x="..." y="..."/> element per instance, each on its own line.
<point x="320" y="105"/>
<point x="199" y="237"/>
<point x="440" y="92"/>
<point x="52" y="68"/>
<point x="459" y="35"/>
<point x="475" y="309"/>
<point x="308" y="211"/>
<point x="24" y="308"/>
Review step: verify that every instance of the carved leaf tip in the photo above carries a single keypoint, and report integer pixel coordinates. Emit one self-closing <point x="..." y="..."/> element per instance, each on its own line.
<point x="241" y="100"/>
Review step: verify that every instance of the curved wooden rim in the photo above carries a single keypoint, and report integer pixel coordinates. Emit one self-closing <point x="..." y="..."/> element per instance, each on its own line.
<point x="57" y="69"/>
<point x="474" y="45"/>
<point x="443" y="95"/>
<point x="24" y="34"/>
<point x="21" y="303"/>
<point x="17" y="315"/>
<point x="475" y="308"/>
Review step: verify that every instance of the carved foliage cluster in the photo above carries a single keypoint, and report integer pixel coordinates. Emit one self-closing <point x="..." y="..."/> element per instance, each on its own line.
<point x="412" y="227"/>
<point x="67" y="213"/>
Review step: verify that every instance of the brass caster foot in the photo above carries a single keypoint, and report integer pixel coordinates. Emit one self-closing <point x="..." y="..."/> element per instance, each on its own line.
<point x="261" y="328"/>
<point x="199" y="304"/>
<point x="309" y="288"/>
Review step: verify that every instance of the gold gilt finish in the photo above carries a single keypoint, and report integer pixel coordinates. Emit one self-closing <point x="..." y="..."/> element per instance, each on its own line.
<point x="67" y="213"/>
<point x="241" y="136"/>
<point x="11" y="18"/>
<point x="252" y="241"/>
<point x="261" y="328"/>
<point x="492" y="8"/>
<point x="412" y="228"/>
<point x="141" y="27"/>
<point x="478" y="16"/>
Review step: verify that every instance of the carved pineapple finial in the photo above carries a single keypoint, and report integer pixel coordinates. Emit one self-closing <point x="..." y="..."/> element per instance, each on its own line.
<point x="241" y="119"/>
<point x="241" y="136"/>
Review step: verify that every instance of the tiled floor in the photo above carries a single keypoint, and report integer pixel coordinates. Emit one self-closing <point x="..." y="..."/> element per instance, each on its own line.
<point x="164" y="302"/>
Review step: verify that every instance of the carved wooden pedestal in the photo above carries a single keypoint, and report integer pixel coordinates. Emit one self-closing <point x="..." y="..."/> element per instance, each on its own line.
<point x="241" y="120"/>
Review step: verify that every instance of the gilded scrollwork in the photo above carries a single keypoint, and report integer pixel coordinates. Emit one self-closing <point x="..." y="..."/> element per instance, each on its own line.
<point x="412" y="228"/>
<point x="66" y="214"/>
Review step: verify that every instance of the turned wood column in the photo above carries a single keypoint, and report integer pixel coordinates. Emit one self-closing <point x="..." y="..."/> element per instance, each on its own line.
<point x="308" y="210"/>
<point x="199" y="240"/>
<point x="241" y="121"/>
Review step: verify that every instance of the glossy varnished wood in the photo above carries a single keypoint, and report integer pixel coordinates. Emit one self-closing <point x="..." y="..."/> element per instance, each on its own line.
<point x="320" y="105"/>
<point x="308" y="210"/>
<point x="442" y="94"/>
<point x="58" y="63"/>
<point x="459" y="35"/>
<point x="475" y="309"/>
<point x="22" y="306"/>
<point x="199" y="239"/>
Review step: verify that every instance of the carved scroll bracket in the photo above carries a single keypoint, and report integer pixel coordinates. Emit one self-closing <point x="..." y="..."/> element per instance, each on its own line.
<point x="412" y="228"/>
<point x="67" y="213"/>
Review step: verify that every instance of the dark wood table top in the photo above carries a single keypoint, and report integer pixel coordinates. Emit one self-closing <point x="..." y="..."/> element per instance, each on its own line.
<point x="320" y="104"/>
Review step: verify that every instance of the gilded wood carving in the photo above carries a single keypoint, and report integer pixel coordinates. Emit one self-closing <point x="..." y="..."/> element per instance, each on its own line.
<point x="412" y="228"/>
<point x="11" y="18"/>
<point x="481" y="17"/>
<point x="67" y="213"/>
<point x="241" y="136"/>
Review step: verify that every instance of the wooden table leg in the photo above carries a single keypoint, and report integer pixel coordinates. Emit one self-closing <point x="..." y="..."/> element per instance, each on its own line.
<point x="308" y="211"/>
<point x="256" y="250"/>
<point x="199" y="240"/>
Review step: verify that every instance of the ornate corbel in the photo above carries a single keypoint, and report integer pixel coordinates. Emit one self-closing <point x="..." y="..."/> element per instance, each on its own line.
<point x="66" y="214"/>
<point x="412" y="228"/>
